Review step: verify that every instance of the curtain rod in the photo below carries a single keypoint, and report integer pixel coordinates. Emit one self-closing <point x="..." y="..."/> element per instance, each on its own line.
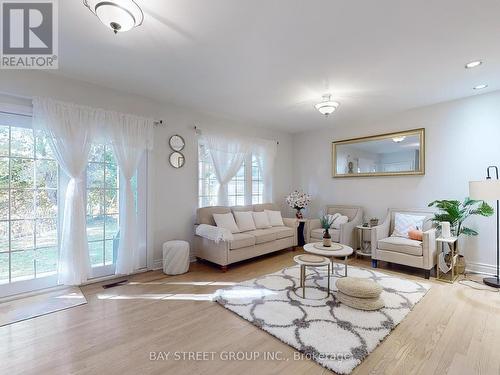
<point x="16" y="114"/>
<point x="197" y="131"/>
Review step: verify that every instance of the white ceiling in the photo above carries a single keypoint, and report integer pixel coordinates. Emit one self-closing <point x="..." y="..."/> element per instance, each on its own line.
<point x="270" y="61"/>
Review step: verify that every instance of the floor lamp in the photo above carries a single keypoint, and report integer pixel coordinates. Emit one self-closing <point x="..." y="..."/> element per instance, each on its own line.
<point x="488" y="189"/>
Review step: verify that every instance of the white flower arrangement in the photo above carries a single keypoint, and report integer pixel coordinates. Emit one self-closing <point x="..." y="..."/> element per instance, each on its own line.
<point x="298" y="200"/>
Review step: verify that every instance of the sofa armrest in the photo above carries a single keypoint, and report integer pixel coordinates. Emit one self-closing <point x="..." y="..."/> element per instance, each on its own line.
<point x="309" y="226"/>
<point x="429" y="248"/>
<point x="291" y="222"/>
<point x="377" y="233"/>
<point x="347" y="235"/>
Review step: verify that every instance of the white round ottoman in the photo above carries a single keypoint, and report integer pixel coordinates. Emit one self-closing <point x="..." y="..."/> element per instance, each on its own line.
<point x="175" y="257"/>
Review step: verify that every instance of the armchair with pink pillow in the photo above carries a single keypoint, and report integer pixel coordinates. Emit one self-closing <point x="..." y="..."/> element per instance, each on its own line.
<point x="397" y="239"/>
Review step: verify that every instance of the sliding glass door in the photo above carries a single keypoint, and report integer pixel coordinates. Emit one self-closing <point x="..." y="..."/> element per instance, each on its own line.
<point x="31" y="208"/>
<point x="28" y="208"/>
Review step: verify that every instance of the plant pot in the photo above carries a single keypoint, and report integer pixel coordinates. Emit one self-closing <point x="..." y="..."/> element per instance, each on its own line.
<point x="298" y="214"/>
<point x="373" y="222"/>
<point x="327" y="239"/>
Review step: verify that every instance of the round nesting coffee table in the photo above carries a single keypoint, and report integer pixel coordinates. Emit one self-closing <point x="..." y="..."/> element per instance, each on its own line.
<point x="305" y="260"/>
<point x="337" y="250"/>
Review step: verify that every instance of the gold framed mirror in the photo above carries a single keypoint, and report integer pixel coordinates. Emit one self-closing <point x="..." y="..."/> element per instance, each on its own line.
<point x="393" y="154"/>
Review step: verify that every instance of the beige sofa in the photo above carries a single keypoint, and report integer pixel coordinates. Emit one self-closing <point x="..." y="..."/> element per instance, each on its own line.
<point x="245" y="245"/>
<point x="418" y="254"/>
<point x="346" y="234"/>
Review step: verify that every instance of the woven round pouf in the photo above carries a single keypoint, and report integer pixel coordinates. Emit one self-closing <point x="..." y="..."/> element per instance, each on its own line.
<point x="358" y="293"/>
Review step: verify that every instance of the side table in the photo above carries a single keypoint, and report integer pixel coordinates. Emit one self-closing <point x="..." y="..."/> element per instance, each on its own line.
<point x="440" y="245"/>
<point x="364" y="246"/>
<point x="300" y="232"/>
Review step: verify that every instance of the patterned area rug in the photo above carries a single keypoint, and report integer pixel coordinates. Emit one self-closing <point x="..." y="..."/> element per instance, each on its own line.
<point x="333" y="334"/>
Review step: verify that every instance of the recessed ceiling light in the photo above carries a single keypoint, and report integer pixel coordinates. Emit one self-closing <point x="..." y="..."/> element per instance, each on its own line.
<point x="473" y="64"/>
<point x="480" y="87"/>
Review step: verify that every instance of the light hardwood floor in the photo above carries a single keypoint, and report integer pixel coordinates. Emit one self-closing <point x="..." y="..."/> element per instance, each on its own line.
<point x="453" y="330"/>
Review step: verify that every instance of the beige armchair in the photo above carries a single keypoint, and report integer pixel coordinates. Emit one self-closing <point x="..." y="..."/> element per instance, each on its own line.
<point x="346" y="234"/>
<point x="418" y="254"/>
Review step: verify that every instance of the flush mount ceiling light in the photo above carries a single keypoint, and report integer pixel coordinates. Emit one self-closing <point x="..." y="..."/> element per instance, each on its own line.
<point x="399" y="139"/>
<point x="118" y="15"/>
<point x="480" y="87"/>
<point x="473" y="64"/>
<point x="327" y="106"/>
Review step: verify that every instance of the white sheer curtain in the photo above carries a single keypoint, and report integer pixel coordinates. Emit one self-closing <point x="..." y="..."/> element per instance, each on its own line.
<point x="265" y="153"/>
<point x="227" y="156"/>
<point x="130" y="137"/>
<point x="70" y="130"/>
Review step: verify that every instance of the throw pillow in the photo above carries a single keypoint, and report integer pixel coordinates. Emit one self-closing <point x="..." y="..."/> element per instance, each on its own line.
<point x="339" y="221"/>
<point x="244" y="220"/>
<point x="275" y="218"/>
<point x="261" y="220"/>
<point x="226" y="221"/>
<point x="403" y="223"/>
<point x="415" y="234"/>
<point x="332" y="218"/>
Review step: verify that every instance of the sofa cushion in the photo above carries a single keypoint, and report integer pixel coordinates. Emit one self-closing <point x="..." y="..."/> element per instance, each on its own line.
<point x="226" y="221"/>
<point x="401" y="245"/>
<point x="261" y="220"/>
<point x="263" y="235"/>
<point x="275" y="218"/>
<point x="403" y="223"/>
<point x="339" y="221"/>
<point x="282" y="232"/>
<point x="204" y="215"/>
<point x="317" y="234"/>
<point x="244" y="220"/>
<point x="241" y="240"/>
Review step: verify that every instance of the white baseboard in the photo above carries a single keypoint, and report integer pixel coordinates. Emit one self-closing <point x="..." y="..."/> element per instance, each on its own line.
<point x="487" y="269"/>
<point x="158" y="263"/>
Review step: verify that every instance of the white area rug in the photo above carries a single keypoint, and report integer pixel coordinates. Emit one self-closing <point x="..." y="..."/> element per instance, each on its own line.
<point x="334" y="335"/>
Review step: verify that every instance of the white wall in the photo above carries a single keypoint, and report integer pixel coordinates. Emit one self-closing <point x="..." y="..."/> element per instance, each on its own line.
<point x="462" y="139"/>
<point x="174" y="191"/>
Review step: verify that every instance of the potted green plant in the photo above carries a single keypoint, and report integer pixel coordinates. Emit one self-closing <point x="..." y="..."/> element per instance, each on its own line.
<point x="326" y="222"/>
<point x="456" y="212"/>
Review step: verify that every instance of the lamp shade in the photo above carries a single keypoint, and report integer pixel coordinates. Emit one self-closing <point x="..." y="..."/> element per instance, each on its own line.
<point x="486" y="190"/>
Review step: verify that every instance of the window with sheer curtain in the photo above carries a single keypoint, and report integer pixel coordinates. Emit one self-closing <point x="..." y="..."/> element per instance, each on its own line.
<point x="28" y="205"/>
<point x="246" y="187"/>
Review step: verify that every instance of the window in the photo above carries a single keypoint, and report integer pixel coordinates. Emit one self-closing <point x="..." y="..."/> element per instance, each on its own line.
<point x="257" y="183"/>
<point x="245" y="187"/>
<point x="236" y="188"/>
<point x="207" y="182"/>
<point x="28" y="205"/>
<point x="102" y="205"/>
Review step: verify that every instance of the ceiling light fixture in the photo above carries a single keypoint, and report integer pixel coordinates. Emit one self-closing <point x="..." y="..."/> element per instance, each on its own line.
<point x="327" y="106"/>
<point x="480" y="87"/>
<point x="473" y="64"/>
<point x="118" y="15"/>
<point x="399" y="139"/>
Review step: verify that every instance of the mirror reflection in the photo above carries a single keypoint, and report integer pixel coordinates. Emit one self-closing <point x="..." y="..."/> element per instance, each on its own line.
<point x="391" y="154"/>
<point x="176" y="159"/>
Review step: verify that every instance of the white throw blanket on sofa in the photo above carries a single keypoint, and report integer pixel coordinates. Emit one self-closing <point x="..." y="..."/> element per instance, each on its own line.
<point x="214" y="233"/>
